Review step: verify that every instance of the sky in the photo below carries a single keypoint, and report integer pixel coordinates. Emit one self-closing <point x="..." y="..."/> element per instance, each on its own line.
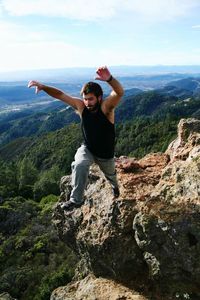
<point x="48" y="34"/>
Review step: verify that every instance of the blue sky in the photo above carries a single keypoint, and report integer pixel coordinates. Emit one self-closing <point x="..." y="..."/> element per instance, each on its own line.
<point x="40" y="34"/>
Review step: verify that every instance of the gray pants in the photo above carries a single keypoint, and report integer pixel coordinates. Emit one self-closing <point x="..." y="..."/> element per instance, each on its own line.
<point x="80" y="171"/>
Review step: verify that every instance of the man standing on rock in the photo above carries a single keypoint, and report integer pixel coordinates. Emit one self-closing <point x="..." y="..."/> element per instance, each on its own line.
<point x="97" y="124"/>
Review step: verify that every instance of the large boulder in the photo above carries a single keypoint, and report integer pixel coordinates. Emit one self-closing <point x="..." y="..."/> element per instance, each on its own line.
<point x="148" y="239"/>
<point x="6" y="296"/>
<point x="91" y="288"/>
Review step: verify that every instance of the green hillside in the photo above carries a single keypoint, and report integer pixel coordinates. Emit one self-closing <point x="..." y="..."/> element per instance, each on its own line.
<point x="33" y="260"/>
<point x="145" y="104"/>
<point x="31" y="124"/>
<point x="36" y="151"/>
<point x="156" y="104"/>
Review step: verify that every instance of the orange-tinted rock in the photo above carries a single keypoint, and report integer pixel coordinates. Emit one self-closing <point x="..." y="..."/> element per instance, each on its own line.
<point x="148" y="239"/>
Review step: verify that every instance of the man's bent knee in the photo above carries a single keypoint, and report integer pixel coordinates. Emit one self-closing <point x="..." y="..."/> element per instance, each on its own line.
<point x="80" y="164"/>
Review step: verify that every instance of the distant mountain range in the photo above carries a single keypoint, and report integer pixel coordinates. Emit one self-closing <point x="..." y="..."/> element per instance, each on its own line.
<point x="187" y="87"/>
<point x="82" y="73"/>
<point x="16" y="92"/>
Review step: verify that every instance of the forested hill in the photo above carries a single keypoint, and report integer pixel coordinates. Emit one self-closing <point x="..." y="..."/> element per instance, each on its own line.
<point x="177" y="98"/>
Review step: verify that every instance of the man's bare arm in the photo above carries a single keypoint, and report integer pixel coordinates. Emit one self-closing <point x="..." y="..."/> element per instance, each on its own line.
<point x="74" y="102"/>
<point x="117" y="90"/>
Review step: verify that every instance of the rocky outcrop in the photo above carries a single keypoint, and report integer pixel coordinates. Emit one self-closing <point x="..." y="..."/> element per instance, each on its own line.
<point x="91" y="288"/>
<point x="146" y="243"/>
<point x="6" y="296"/>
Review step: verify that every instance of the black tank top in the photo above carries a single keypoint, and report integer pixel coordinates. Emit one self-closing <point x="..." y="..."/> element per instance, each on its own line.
<point x="98" y="133"/>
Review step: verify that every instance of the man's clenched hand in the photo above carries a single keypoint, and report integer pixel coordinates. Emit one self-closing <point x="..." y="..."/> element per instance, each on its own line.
<point x="38" y="85"/>
<point x="103" y="74"/>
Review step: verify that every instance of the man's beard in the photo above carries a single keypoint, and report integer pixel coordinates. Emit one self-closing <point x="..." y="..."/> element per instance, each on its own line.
<point x="94" y="107"/>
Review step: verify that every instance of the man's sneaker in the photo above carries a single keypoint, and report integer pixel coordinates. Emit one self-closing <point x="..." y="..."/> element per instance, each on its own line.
<point x="69" y="205"/>
<point x="116" y="192"/>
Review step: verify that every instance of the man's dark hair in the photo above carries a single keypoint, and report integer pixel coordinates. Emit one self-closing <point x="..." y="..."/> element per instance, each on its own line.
<point x="92" y="87"/>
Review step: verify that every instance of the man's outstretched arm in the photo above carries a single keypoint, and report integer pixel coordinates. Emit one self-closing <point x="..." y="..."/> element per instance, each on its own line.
<point x="76" y="103"/>
<point x="117" y="90"/>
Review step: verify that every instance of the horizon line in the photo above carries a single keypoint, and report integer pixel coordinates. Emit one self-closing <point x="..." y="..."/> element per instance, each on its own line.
<point x="94" y="67"/>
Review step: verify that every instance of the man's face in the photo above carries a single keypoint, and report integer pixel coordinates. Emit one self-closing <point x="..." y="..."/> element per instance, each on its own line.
<point x="91" y="101"/>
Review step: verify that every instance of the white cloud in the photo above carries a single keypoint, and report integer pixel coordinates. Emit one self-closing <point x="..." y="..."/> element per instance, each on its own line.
<point x="77" y="9"/>
<point x="92" y="10"/>
<point x="196" y="27"/>
<point x="39" y="55"/>
<point x="30" y="48"/>
<point x="162" y="9"/>
<point x="1" y="9"/>
<point x="23" y="48"/>
<point x="12" y="32"/>
<point x="47" y="55"/>
<point x="127" y="56"/>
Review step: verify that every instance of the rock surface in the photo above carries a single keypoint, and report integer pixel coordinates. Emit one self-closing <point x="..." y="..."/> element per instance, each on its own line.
<point x="92" y="288"/>
<point x="146" y="243"/>
<point x="6" y="296"/>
